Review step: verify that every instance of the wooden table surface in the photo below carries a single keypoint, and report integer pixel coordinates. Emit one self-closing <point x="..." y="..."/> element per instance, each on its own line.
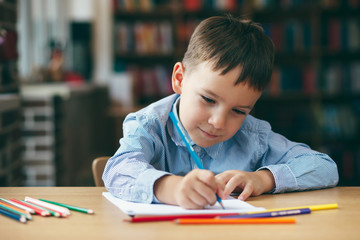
<point x="107" y="222"/>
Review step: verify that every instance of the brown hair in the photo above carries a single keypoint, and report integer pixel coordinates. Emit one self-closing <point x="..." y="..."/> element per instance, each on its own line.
<point x="228" y="42"/>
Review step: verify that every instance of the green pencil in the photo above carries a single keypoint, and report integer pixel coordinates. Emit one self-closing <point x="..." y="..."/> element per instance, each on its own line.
<point x="52" y="213"/>
<point x="74" y="208"/>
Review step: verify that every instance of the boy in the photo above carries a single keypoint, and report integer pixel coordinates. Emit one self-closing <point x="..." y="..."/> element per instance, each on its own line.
<point x="226" y="67"/>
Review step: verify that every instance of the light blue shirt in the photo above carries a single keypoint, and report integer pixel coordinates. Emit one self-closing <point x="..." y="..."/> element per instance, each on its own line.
<point x="151" y="148"/>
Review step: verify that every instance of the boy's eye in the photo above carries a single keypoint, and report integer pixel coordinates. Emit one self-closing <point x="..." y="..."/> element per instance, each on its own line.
<point x="208" y="100"/>
<point x="237" y="111"/>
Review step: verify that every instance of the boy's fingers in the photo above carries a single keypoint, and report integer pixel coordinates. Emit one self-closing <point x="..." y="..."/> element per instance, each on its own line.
<point x="245" y="193"/>
<point x="232" y="184"/>
<point x="188" y="203"/>
<point x="220" y="193"/>
<point x="206" y="193"/>
<point x="197" y="200"/>
<point x="224" y="177"/>
<point x="208" y="178"/>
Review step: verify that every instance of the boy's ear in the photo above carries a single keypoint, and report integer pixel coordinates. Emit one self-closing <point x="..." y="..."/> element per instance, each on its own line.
<point x="177" y="77"/>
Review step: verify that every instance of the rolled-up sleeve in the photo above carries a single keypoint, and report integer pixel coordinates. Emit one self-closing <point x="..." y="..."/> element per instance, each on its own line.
<point x="129" y="174"/>
<point x="296" y="167"/>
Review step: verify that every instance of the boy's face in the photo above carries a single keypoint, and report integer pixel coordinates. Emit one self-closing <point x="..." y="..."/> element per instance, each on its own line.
<point x="212" y="108"/>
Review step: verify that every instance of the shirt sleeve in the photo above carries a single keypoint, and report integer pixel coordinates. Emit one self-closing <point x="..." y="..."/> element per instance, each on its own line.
<point x="296" y="167"/>
<point x="129" y="174"/>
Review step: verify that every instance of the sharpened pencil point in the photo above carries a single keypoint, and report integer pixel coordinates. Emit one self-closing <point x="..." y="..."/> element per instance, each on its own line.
<point x="222" y="205"/>
<point x="23" y="219"/>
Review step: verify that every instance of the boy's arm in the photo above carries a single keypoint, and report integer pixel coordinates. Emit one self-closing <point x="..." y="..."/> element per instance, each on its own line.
<point x="129" y="177"/>
<point x="129" y="174"/>
<point x="296" y="167"/>
<point x="164" y="188"/>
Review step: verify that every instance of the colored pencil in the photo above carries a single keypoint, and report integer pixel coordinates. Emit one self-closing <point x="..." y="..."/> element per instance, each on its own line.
<point x="31" y="211"/>
<point x="190" y="149"/>
<point x="17" y="217"/>
<point x="52" y="213"/>
<point x="271" y="214"/>
<point x="9" y="205"/>
<point x="37" y="210"/>
<point x="235" y="221"/>
<point x="311" y="207"/>
<point x="6" y="206"/>
<point x="70" y="207"/>
<point x="173" y="217"/>
<point x="64" y="212"/>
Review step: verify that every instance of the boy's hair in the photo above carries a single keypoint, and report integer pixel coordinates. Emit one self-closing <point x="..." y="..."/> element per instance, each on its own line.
<point x="228" y="42"/>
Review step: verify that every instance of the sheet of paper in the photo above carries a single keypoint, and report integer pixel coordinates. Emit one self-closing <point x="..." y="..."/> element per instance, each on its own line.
<point x="231" y="205"/>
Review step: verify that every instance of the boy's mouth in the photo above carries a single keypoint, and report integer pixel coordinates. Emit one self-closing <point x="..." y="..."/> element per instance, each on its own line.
<point x="207" y="134"/>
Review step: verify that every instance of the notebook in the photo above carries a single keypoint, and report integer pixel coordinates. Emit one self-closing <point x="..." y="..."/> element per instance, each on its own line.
<point x="231" y="205"/>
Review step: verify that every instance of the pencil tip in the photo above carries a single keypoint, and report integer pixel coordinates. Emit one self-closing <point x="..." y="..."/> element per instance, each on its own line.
<point x="23" y="219"/>
<point x="90" y="211"/>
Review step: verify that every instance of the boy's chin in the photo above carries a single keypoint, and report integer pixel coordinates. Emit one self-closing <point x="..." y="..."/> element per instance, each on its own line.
<point x="205" y="144"/>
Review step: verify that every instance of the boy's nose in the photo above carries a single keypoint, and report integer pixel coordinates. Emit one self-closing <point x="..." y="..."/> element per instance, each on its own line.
<point x="217" y="121"/>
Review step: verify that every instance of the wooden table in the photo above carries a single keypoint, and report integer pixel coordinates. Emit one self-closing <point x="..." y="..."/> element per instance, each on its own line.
<point x="107" y="223"/>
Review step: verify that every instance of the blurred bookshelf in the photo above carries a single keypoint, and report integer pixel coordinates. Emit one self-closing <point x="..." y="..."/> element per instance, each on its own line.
<point x="314" y="95"/>
<point x="11" y="171"/>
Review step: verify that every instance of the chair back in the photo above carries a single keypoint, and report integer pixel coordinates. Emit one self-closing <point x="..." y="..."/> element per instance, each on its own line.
<point x="98" y="166"/>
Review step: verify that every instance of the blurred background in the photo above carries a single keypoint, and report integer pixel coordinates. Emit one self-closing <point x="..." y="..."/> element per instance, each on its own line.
<point x="71" y="70"/>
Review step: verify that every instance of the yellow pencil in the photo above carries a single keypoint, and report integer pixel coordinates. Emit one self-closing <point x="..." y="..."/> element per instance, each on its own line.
<point x="312" y="208"/>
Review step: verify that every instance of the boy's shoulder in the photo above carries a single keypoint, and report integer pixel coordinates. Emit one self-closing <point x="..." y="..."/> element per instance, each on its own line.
<point x="255" y="125"/>
<point x="156" y="112"/>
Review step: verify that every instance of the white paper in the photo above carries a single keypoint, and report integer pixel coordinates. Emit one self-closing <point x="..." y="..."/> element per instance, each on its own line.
<point x="231" y="205"/>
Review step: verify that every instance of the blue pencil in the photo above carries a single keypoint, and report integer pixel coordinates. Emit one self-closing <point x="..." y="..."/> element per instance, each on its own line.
<point x="17" y="217"/>
<point x="190" y="149"/>
<point x="271" y="214"/>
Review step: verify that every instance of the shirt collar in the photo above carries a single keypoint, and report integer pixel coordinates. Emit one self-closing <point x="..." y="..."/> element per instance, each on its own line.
<point x="175" y="136"/>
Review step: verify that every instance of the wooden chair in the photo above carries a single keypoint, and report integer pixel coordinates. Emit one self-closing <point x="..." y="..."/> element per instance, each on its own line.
<point x="97" y="167"/>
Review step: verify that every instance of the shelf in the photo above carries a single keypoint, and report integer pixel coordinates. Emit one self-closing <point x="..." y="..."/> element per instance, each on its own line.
<point x="298" y="96"/>
<point x="342" y="12"/>
<point x="278" y="15"/>
<point x="140" y="58"/>
<point x="144" y="16"/>
<point x="9" y="102"/>
<point x="294" y="58"/>
<point x="340" y="56"/>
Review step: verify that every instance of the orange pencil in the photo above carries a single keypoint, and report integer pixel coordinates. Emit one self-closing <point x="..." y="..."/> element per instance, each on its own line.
<point x="235" y="221"/>
<point x="31" y="211"/>
<point x="19" y="210"/>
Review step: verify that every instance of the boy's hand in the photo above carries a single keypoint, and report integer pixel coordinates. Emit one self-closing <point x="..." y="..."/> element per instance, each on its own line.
<point x="195" y="190"/>
<point x="248" y="183"/>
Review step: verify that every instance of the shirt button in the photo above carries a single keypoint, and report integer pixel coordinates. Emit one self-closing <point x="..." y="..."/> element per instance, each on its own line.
<point x="197" y="149"/>
<point x="144" y="196"/>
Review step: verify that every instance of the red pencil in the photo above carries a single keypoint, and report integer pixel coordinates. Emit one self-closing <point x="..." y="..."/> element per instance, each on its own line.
<point x="173" y="217"/>
<point x="38" y="211"/>
<point x="62" y="211"/>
